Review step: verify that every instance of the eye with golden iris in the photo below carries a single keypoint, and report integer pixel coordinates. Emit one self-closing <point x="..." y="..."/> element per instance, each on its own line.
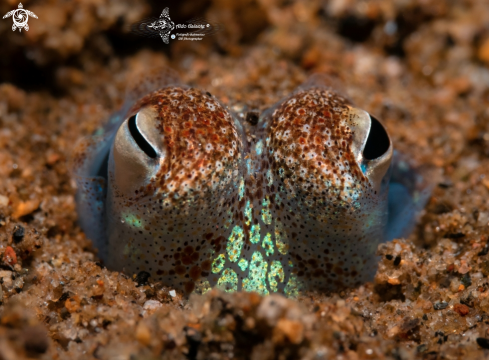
<point x="296" y="201"/>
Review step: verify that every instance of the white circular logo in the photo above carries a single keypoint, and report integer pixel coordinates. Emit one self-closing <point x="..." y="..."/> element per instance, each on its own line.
<point x="20" y="17"/>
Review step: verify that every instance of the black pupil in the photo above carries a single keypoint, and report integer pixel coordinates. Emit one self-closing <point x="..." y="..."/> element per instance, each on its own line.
<point x="139" y="138"/>
<point x="377" y="142"/>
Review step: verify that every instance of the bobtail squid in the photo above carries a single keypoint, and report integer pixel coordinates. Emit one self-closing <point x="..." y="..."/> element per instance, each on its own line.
<point x="178" y="186"/>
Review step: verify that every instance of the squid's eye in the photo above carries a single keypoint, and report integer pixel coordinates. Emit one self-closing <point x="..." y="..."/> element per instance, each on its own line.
<point x="377" y="142"/>
<point x="140" y="139"/>
<point x="137" y="151"/>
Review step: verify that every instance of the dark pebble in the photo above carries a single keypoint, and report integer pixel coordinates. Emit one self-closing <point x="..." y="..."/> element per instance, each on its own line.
<point x="193" y="334"/>
<point x="97" y="297"/>
<point x="18" y="234"/>
<point x="441" y="305"/>
<point x="441" y="208"/>
<point x="397" y="260"/>
<point x="170" y="344"/>
<point x="409" y="325"/>
<point x="466" y="280"/>
<point x="63" y="297"/>
<point x="106" y="323"/>
<point x="356" y="28"/>
<point x="64" y="313"/>
<point x="458" y="235"/>
<point x="432" y="355"/>
<point x="209" y="94"/>
<point x="445" y="282"/>
<point x="389" y="257"/>
<point x="142" y="278"/>
<point x="484" y="251"/>
<point x="421" y="348"/>
<point x="467" y="300"/>
<point x="425" y="317"/>
<point x="475" y="214"/>
<point x="483" y="342"/>
<point x="35" y="339"/>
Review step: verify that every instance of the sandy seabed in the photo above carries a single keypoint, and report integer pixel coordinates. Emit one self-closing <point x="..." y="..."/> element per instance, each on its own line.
<point x="420" y="66"/>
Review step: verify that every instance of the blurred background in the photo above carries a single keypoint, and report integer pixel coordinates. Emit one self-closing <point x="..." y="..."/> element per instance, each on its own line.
<point x="71" y="36"/>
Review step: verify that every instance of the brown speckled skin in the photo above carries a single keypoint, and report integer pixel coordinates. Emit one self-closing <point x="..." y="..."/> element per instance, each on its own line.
<point x="287" y="192"/>
<point x="201" y="140"/>
<point x="311" y="141"/>
<point x="182" y="209"/>
<point x="331" y="213"/>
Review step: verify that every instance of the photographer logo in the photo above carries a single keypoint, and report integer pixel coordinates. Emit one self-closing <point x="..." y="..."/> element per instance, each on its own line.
<point x="194" y="29"/>
<point x="20" y="17"/>
<point x="163" y="25"/>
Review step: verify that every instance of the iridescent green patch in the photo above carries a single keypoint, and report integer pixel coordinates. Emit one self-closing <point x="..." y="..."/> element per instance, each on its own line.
<point x="293" y="286"/>
<point x="243" y="264"/>
<point x="267" y="244"/>
<point x="256" y="280"/>
<point x="255" y="234"/>
<point x="228" y="280"/>
<point x="235" y="243"/>
<point x="218" y="263"/>
<point x="281" y="238"/>
<point x="275" y="275"/>
<point x="132" y="220"/>
<point x="266" y="215"/>
<point x="202" y="286"/>
<point x="278" y="199"/>
<point x="248" y="213"/>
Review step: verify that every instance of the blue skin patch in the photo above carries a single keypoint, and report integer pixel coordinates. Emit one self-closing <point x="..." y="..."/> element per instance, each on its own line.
<point x="293" y="210"/>
<point x="409" y="191"/>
